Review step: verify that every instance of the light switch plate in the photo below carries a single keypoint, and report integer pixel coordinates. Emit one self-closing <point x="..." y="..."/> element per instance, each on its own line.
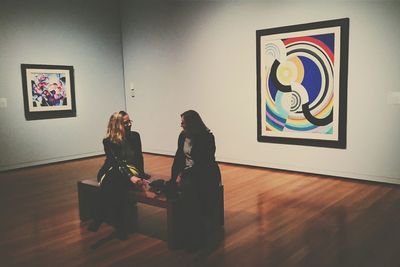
<point x="393" y="98"/>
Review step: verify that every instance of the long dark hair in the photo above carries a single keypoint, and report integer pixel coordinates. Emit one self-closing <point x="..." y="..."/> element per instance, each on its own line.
<point x="122" y="113"/>
<point x="194" y="123"/>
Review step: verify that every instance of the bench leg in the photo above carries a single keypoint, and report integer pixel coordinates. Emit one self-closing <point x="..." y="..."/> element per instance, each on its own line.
<point x="88" y="199"/>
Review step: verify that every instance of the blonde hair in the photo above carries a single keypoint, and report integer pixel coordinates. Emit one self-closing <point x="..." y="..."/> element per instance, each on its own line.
<point x="115" y="128"/>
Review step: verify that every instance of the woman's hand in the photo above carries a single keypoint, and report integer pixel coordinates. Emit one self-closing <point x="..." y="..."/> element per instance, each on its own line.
<point x="178" y="180"/>
<point x="136" y="180"/>
<point x="143" y="184"/>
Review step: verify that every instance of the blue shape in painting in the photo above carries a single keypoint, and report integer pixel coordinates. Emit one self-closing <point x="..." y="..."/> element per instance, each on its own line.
<point x="328" y="39"/>
<point x="271" y="88"/>
<point x="312" y="78"/>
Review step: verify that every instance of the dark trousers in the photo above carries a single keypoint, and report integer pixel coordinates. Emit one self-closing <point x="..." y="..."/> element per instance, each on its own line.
<point x="113" y="206"/>
<point x="193" y="212"/>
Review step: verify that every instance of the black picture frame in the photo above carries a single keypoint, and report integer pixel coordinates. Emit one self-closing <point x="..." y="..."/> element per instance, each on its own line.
<point x="302" y="84"/>
<point x="48" y="91"/>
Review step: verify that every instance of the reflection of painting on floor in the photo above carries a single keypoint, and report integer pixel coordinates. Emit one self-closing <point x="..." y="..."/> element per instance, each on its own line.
<point x="296" y="229"/>
<point x="308" y="234"/>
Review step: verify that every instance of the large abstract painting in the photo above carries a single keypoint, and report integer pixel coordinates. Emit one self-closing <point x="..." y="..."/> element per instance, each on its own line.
<point x="302" y="84"/>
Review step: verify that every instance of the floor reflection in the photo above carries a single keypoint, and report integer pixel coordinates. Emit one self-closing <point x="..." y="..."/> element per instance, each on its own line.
<point x="295" y="232"/>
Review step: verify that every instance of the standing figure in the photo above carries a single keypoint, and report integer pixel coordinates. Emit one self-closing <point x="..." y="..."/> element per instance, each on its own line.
<point x="197" y="176"/>
<point x="122" y="169"/>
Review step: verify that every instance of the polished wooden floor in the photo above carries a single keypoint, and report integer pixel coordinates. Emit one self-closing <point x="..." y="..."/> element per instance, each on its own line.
<point x="272" y="218"/>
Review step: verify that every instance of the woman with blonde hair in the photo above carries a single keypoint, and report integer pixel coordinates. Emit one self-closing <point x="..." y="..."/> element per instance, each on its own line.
<point x="122" y="168"/>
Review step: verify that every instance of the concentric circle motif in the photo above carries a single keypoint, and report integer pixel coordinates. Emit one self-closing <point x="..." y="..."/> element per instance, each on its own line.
<point x="295" y="101"/>
<point x="299" y="84"/>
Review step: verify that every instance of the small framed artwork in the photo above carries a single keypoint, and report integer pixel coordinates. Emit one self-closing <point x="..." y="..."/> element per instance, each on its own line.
<point x="302" y="84"/>
<point x="48" y="90"/>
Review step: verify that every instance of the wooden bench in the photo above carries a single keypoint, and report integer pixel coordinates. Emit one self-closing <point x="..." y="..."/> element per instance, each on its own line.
<point x="88" y="193"/>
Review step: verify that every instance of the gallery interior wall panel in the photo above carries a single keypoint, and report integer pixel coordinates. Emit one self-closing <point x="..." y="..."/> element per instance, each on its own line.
<point x="202" y="56"/>
<point x="82" y="34"/>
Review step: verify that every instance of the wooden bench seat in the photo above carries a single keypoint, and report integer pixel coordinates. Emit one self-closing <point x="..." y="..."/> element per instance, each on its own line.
<point x="88" y="193"/>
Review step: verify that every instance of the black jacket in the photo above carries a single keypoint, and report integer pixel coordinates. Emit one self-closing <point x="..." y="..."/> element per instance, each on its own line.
<point x="117" y="158"/>
<point x="203" y="154"/>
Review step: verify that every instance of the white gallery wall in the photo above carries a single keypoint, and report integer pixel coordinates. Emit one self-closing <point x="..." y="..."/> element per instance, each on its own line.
<point x="84" y="34"/>
<point x="202" y="55"/>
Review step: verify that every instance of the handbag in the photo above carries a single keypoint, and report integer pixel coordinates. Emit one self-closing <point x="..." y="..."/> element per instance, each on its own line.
<point x="169" y="188"/>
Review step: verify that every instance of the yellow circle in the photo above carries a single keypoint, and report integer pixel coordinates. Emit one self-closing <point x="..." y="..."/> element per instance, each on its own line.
<point x="286" y="73"/>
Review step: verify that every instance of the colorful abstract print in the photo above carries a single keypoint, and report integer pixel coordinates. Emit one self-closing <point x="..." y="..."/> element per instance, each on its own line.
<point x="48" y="89"/>
<point x="299" y="84"/>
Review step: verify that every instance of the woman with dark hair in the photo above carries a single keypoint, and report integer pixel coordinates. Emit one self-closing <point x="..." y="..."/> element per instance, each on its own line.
<point x="198" y="177"/>
<point x="122" y="168"/>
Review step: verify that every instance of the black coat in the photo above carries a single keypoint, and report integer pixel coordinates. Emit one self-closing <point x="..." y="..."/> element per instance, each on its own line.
<point x="205" y="167"/>
<point x="198" y="189"/>
<point x="116" y="160"/>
